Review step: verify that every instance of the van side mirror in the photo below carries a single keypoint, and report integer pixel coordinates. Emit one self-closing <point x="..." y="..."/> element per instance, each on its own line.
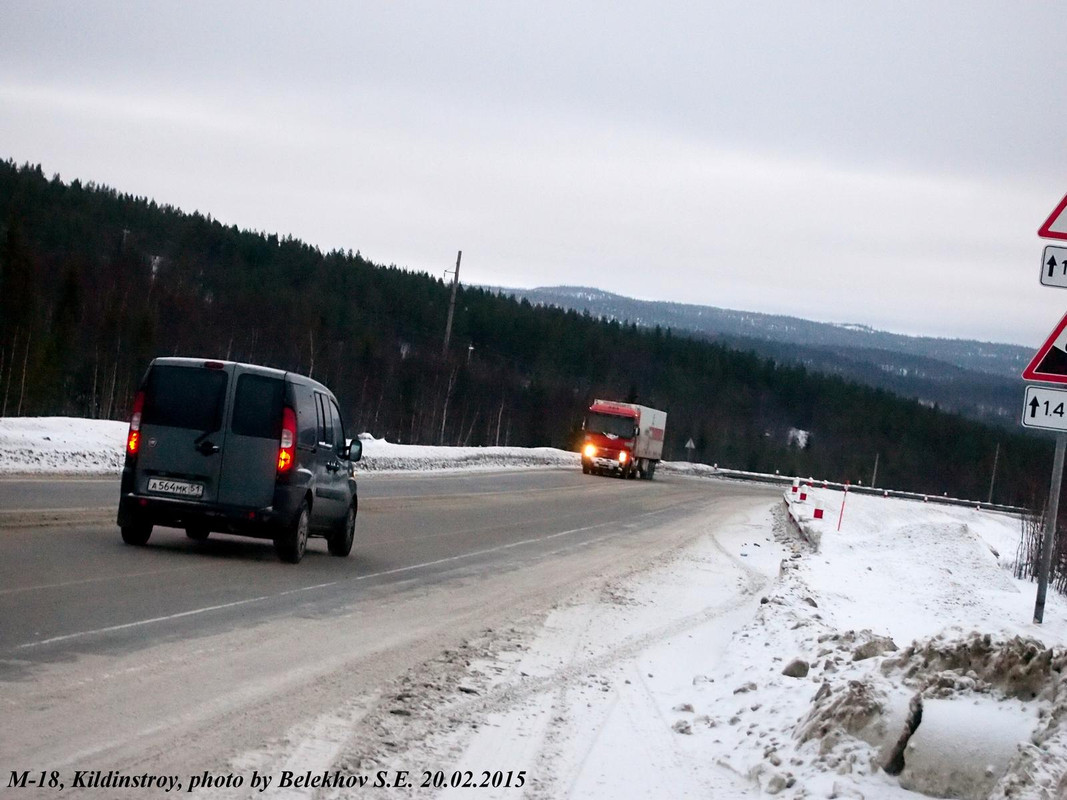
<point x="353" y="450"/>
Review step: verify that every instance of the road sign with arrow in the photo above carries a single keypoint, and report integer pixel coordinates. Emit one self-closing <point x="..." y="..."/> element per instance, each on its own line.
<point x="1054" y="266"/>
<point x="1045" y="408"/>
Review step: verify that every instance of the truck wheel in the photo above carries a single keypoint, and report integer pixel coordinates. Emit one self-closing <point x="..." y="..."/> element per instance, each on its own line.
<point x="197" y="533"/>
<point x="136" y="533"/>
<point x="340" y="541"/>
<point x="585" y="469"/>
<point x="290" y="543"/>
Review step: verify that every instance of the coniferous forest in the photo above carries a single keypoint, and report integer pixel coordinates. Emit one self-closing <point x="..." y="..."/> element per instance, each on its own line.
<point x="94" y="283"/>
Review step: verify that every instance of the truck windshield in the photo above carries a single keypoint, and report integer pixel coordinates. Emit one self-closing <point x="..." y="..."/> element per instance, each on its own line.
<point x="611" y="424"/>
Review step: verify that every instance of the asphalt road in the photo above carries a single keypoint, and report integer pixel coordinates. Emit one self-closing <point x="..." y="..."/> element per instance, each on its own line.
<point x="178" y="654"/>
<point x="76" y="588"/>
<point x="26" y="494"/>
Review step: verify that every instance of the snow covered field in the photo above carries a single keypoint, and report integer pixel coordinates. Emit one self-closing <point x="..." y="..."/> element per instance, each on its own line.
<point x="777" y="656"/>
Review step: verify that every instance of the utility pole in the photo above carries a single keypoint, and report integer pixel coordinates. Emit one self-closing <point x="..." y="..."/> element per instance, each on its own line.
<point x="874" y="475"/>
<point x="996" y="458"/>
<point x="451" y="306"/>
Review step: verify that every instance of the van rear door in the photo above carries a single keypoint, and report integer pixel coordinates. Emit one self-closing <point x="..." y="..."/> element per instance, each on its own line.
<point x="182" y="431"/>
<point x="250" y="463"/>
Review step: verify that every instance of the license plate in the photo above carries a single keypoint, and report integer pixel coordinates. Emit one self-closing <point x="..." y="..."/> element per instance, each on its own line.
<point x="180" y="488"/>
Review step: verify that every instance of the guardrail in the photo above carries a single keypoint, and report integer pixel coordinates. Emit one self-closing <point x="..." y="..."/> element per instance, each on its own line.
<point x="705" y="470"/>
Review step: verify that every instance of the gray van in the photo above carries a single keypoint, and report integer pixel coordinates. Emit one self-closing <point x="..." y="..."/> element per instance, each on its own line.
<point x="238" y="448"/>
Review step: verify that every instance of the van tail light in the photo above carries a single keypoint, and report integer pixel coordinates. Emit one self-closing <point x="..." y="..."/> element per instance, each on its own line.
<point x="133" y="438"/>
<point x="287" y="443"/>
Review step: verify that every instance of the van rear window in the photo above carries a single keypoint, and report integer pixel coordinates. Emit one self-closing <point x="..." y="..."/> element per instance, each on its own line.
<point x="257" y="406"/>
<point x="184" y="397"/>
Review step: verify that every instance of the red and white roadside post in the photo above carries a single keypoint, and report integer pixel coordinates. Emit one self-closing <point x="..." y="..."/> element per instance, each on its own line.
<point x="841" y="516"/>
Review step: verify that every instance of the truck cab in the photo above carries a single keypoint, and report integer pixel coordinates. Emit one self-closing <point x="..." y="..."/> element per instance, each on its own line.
<point x="608" y="444"/>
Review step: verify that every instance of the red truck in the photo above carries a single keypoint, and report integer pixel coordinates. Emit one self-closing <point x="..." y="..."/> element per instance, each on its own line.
<point x="622" y="439"/>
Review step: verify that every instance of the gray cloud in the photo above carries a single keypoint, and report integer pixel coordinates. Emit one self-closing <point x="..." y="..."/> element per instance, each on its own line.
<point x="878" y="163"/>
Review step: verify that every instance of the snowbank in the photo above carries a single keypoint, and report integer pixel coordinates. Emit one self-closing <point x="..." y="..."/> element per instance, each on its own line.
<point x="67" y="445"/>
<point x="382" y="456"/>
<point x="973" y="706"/>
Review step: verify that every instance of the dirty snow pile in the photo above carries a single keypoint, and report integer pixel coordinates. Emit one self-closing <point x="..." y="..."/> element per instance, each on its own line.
<point x="897" y="654"/>
<point x="69" y="445"/>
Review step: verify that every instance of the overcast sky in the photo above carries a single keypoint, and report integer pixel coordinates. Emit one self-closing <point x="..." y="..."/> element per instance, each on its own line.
<point x="878" y="163"/>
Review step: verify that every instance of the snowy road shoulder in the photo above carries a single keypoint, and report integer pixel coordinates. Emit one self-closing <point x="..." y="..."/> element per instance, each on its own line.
<point x="585" y="699"/>
<point x="754" y="664"/>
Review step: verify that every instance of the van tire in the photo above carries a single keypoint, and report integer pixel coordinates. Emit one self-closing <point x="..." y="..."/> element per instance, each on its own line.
<point x="197" y="534"/>
<point x="340" y="541"/>
<point x="136" y="533"/>
<point x="291" y="542"/>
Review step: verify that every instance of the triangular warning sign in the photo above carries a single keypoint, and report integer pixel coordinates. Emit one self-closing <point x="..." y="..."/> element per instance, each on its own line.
<point x="1050" y="363"/>
<point x="1055" y="226"/>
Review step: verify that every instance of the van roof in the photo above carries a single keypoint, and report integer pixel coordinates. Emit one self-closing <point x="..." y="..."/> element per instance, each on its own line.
<point x="199" y="363"/>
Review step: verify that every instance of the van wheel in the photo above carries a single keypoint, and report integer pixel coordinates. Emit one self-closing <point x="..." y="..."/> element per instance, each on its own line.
<point x="197" y="534"/>
<point x="340" y="541"/>
<point x="136" y="533"/>
<point x="290" y="543"/>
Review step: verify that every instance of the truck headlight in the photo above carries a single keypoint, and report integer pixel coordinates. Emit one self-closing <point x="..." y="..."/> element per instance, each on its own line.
<point x="589" y="451"/>
<point x="623" y="455"/>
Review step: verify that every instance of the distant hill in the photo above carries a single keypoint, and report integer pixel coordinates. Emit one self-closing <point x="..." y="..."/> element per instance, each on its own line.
<point x="979" y="379"/>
